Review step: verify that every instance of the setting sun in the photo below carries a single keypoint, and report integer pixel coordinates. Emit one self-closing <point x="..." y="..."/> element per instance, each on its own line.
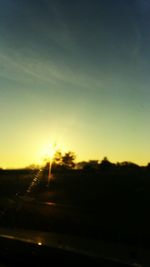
<point x="48" y="152"/>
<point x="45" y="151"/>
<point x="51" y="150"/>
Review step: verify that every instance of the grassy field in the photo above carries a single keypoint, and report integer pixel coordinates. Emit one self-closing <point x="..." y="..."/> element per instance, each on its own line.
<point x="99" y="204"/>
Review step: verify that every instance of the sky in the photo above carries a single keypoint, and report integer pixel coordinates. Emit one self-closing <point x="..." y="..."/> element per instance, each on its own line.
<point x="75" y="73"/>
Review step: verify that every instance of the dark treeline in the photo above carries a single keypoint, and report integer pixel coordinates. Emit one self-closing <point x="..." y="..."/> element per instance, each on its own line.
<point x="67" y="161"/>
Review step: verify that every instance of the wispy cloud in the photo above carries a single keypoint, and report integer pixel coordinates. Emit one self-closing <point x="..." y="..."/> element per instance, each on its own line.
<point x="22" y="68"/>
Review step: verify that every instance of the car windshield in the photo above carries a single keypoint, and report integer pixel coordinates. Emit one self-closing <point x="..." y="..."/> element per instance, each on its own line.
<point x="74" y="111"/>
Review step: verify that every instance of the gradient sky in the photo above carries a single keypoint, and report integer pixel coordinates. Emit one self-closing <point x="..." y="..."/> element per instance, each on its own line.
<point x="76" y="73"/>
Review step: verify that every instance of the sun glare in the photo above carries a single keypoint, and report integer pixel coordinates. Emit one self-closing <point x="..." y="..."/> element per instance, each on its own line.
<point x="52" y="150"/>
<point x="47" y="152"/>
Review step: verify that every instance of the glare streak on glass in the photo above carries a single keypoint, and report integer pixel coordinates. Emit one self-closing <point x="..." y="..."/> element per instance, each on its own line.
<point x="35" y="181"/>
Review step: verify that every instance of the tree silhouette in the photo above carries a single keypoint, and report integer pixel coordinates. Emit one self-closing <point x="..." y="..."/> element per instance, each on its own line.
<point x="90" y="165"/>
<point x="58" y="158"/>
<point x="106" y="164"/>
<point x="68" y="160"/>
<point x="63" y="161"/>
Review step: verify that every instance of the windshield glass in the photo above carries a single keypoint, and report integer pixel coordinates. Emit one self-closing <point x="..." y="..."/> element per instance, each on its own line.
<point x="74" y="111"/>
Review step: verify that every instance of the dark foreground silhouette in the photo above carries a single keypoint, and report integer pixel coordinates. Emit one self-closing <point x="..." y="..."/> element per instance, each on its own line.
<point x="107" y="204"/>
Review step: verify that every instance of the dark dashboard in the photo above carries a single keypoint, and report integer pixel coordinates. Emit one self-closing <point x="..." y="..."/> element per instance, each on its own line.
<point x="23" y="248"/>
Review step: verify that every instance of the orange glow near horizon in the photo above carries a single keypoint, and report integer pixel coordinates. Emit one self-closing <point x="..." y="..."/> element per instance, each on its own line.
<point x="48" y="151"/>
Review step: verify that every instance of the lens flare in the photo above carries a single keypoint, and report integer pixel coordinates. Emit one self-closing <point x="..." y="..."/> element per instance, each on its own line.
<point x="47" y="152"/>
<point x="48" y="156"/>
<point x="52" y="151"/>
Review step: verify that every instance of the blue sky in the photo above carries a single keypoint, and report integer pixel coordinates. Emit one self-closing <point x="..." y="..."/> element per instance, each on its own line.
<point x="75" y="73"/>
